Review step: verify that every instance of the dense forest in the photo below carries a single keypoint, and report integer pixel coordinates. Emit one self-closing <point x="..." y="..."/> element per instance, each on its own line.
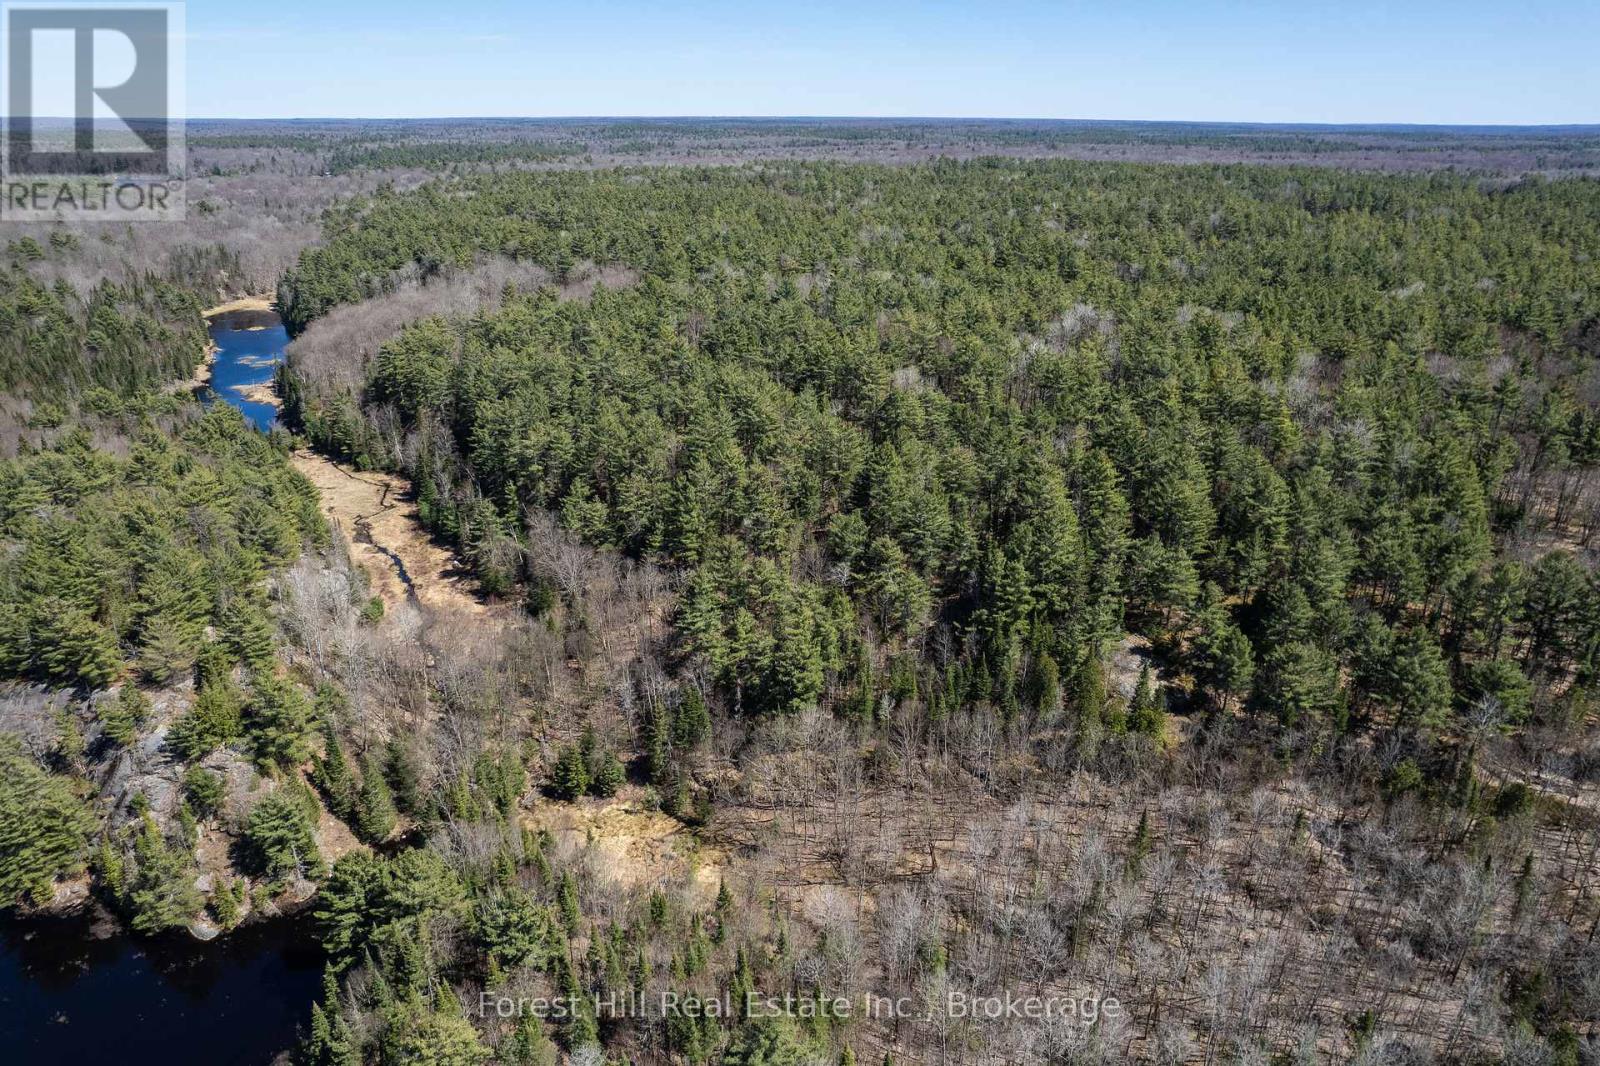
<point x="922" y="445"/>
<point x="922" y="579"/>
<point x="1277" y="422"/>
<point x="119" y="338"/>
<point x="336" y="145"/>
<point x="147" y="567"/>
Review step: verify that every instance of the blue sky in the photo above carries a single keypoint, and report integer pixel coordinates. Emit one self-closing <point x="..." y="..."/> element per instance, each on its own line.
<point x="1425" y="61"/>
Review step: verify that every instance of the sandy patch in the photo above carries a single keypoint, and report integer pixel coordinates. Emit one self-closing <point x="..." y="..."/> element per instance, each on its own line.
<point x="375" y="515"/>
<point x="261" y="392"/>
<point x="201" y="376"/>
<point x="243" y="303"/>
<point x="334" y="838"/>
<point x="634" y="846"/>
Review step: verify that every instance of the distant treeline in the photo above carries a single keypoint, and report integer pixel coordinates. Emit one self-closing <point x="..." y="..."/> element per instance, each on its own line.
<point x="438" y="155"/>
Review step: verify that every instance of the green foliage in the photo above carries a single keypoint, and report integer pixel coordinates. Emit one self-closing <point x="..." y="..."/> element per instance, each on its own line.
<point x="608" y="775"/>
<point x="277" y="720"/>
<point x="160" y="892"/>
<point x="1404" y="777"/>
<point x="217" y="718"/>
<point x="1089" y="701"/>
<point x="1496" y="688"/>
<point x="331" y="772"/>
<point x="1223" y="659"/>
<point x="122" y="716"/>
<point x="569" y="778"/>
<point x="400" y="769"/>
<point x="1029" y="399"/>
<point x="278" y="838"/>
<point x="44" y="827"/>
<point x="350" y="904"/>
<point x="437" y="1034"/>
<point x="118" y="556"/>
<point x="765" y="1043"/>
<point x="203" y="791"/>
<point x="121" y="338"/>
<point x="1416" y="681"/>
<point x="513" y="927"/>
<point x="1146" y="715"/>
<point x="375" y="816"/>
<point x="529" y="1045"/>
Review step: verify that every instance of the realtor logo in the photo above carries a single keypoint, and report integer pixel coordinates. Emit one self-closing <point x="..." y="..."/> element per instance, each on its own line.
<point x="93" y="111"/>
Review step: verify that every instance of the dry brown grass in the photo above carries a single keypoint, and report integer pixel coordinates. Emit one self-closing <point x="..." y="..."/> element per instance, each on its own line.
<point x="243" y="303"/>
<point x="373" y="512"/>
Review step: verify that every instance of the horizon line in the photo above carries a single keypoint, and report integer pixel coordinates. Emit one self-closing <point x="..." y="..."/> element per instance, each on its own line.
<point x="1373" y="124"/>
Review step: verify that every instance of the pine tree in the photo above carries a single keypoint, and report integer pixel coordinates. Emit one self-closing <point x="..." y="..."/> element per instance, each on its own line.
<point x="1046" y="687"/>
<point x="607" y="776"/>
<point x="530" y="1045"/>
<point x="1417" y="681"/>
<point x="161" y="892"/>
<point x="276" y="723"/>
<point x="1143" y="839"/>
<point x="165" y="652"/>
<point x="400" y="769"/>
<point x="121" y="717"/>
<point x="71" y="648"/>
<point x="331" y="1041"/>
<point x="278" y="835"/>
<point x="1223" y="659"/>
<point x="569" y="779"/>
<point x="692" y="722"/>
<point x="567" y="899"/>
<point x="1089" y="702"/>
<point x="43" y="827"/>
<point x="247" y="632"/>
<point x="1145" y="716"/>
<point x="438" y="1035"/>
<point x="374" y="810"/>
<point x="657" y="745"/>
<point x="332" y="774"/>
<point x="217" y="718"/>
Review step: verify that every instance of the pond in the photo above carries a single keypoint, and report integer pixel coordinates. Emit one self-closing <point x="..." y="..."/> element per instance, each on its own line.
<point x="77" y="989"/>
<point x="249" y="346"/>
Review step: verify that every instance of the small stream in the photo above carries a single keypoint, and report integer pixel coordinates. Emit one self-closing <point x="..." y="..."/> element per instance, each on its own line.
<point x="78" y="989"/>
<point x="364" y="536"/>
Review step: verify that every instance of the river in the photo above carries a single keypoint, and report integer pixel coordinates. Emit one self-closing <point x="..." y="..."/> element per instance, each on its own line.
<point x="77" y="990"/>
<point x="249" y="344"/>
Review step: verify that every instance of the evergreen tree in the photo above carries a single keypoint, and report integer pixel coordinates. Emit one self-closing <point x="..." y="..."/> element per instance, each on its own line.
<point x="569" y="778"/>
<point x="161" y="892"/>
<point x="374" y="809"/>
<point x="43" y="827"/>
<point x="276" y="722"/>
<point x="1089" y="703"/>
<point x="333" y="776"/>
<point x="278" y="835"/>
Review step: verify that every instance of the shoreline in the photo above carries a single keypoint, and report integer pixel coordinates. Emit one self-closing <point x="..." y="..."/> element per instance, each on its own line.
<point x="241" y="303"/>
<point x="201" y="378"/>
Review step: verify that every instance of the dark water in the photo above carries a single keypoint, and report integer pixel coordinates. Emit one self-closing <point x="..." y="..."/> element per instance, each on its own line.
<point x="250" y="346"/>
<point x="70" y="996"/>
<point x="75" y="992"/>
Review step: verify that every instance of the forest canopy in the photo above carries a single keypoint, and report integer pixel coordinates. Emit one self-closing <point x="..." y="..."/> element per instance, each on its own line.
<point x="1320" y="430"/>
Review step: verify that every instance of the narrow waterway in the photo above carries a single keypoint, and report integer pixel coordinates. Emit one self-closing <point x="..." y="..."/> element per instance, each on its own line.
<point x="80" y="990"/>
<point x="249" y="345"/>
